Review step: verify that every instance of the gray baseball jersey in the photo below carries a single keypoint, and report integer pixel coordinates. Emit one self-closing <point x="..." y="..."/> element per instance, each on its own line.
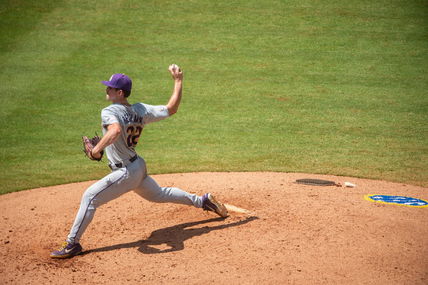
<point x="132" y="120"/>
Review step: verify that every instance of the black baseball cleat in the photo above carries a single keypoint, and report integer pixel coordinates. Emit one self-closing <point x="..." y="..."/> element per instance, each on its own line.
<point x="209" y="203"/>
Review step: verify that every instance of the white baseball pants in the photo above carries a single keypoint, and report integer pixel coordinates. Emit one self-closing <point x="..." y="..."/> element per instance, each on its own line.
<point x="120" y="181"/>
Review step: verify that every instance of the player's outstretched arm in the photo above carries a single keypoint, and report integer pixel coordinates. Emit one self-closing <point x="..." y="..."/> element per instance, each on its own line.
<point x="174" y="101"/>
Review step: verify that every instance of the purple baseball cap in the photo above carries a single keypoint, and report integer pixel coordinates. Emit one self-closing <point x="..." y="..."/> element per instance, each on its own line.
<point x="119" y="81"/>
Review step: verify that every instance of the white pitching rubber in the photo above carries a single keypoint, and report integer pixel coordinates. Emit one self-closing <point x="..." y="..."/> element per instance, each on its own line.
<point x="236" y="209"/>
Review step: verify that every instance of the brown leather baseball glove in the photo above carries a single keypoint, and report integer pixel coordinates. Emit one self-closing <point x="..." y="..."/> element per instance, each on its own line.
<point x="88" y="146"/>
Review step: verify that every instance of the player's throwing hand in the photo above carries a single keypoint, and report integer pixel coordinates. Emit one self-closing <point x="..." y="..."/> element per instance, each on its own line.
<point x="176" y="72"/>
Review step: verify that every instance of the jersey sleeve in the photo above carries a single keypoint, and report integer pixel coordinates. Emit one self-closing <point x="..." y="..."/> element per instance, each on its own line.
<point x="155" y="113"/>
<point x="108" y="117"/>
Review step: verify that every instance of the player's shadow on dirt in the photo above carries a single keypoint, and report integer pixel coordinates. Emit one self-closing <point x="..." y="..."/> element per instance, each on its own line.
<point x="173" y="237"/>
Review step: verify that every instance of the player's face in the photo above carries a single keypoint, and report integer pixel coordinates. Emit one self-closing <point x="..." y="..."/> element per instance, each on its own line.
<point x="112" y="94"/>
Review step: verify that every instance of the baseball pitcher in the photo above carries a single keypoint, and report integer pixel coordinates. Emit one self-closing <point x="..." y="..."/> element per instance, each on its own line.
<point x="122" y="125"/>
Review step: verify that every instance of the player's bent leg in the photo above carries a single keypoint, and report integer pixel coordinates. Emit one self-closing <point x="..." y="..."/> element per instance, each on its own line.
<point x="151" y="191"/>
<point x="110" y="187"/>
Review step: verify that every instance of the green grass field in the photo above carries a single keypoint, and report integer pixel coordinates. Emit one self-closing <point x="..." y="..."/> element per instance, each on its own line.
<point x="332" y="87"/>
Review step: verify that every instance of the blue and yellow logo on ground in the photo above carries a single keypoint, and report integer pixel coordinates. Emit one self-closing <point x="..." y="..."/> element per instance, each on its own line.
<point x="397" y="200"/>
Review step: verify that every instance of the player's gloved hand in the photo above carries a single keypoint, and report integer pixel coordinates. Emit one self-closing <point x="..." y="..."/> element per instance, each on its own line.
<point x="176" y="72"/>
<point x="88" y="146"/>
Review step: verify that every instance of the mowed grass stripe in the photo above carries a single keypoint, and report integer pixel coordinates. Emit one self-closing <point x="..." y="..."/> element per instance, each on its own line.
<point x="330" y="87"/>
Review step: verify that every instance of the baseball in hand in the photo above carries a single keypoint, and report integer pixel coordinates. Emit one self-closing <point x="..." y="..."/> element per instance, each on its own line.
<point x="176" y="72"/>
<point x="175" y="67"/>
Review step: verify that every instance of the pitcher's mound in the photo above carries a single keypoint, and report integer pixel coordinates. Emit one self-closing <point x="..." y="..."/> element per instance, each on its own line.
<point x="279" y="232"/>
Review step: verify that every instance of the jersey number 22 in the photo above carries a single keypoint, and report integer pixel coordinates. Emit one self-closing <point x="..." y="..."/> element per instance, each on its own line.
<point x="133" y="135"/>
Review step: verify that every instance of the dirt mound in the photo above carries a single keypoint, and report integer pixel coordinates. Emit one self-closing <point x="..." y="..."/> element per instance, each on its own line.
<point x="292" y="233"/>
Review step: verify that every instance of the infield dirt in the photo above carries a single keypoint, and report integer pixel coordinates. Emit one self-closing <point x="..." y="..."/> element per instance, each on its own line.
<point x="292" y="234"/>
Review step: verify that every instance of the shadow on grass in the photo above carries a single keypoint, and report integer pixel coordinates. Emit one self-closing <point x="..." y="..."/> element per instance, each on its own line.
<point x="173" y="237"/>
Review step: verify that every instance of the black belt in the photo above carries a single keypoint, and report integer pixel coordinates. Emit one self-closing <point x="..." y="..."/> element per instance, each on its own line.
<point x="119" y="165"/>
